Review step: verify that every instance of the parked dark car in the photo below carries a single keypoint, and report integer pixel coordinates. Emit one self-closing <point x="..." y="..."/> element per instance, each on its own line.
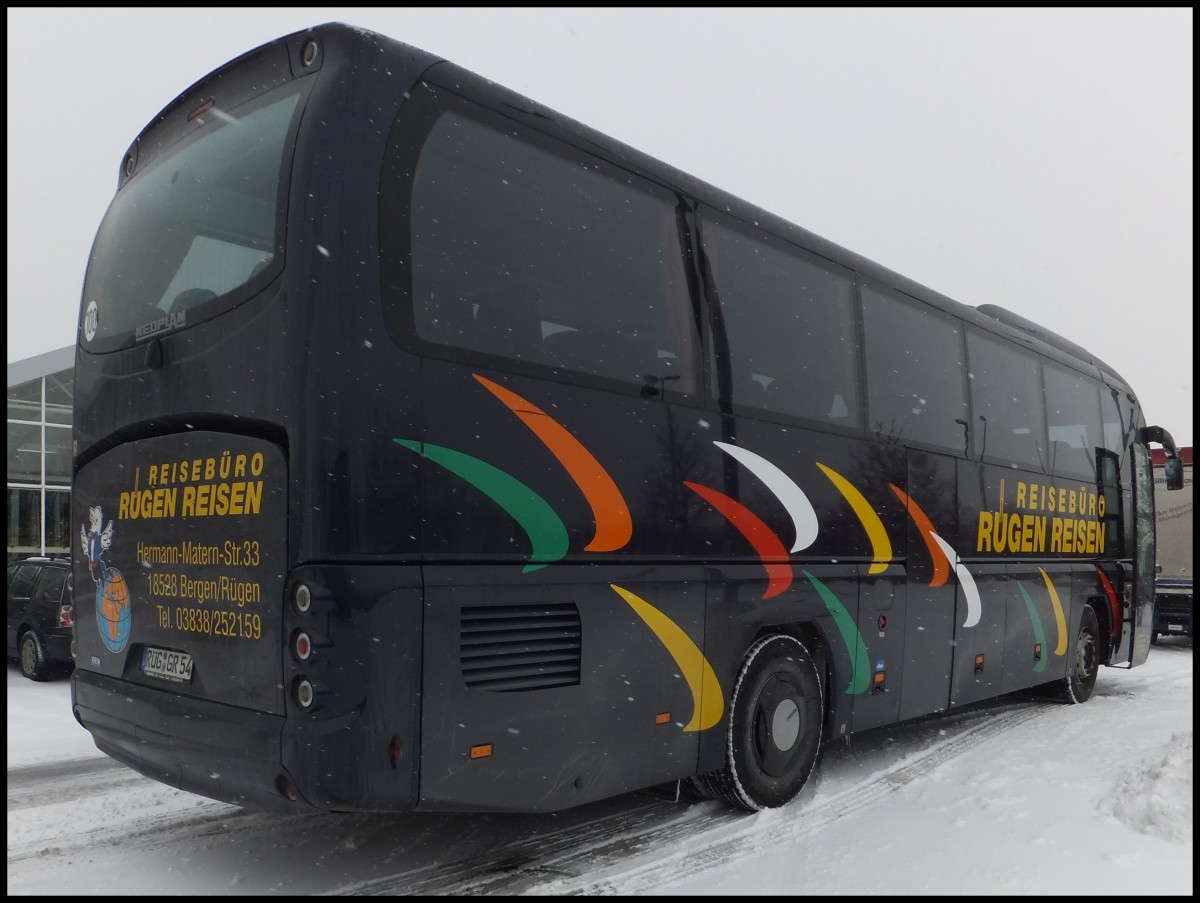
<point x="41" y="615"/>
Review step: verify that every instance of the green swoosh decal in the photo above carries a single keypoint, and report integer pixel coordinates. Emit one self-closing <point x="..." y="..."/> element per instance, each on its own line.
<point x="1039" y="635"/>
<point x="545" y="529"/>
<point x="860" y="677"/>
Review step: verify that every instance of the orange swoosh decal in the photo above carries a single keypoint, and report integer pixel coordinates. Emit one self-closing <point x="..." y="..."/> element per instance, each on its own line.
<point x="768" y="546"/>
<point x="941" y="567"/>
<point x="614" y="526"/>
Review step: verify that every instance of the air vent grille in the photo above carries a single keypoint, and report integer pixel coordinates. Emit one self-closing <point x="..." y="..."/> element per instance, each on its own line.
<point x="520" y="647"/>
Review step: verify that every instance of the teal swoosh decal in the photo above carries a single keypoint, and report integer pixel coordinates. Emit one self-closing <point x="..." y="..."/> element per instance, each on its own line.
<point x="1039" y="635"/>
<point x="860" y="677"/>
<point x="545" y="529"/>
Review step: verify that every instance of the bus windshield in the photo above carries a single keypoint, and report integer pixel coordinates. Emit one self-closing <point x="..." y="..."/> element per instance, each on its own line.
<point x="191" y="229"/>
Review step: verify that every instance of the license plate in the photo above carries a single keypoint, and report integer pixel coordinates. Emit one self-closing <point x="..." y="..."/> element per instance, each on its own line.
<point x="167" y="665"/>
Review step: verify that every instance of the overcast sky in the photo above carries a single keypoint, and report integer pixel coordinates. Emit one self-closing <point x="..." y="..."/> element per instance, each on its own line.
<point x="1036" y="159"/>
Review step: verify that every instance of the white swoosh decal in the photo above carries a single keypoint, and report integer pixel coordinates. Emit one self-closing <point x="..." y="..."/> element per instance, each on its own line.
<point x="798" y="507"/>
<point x="965" y="580"/>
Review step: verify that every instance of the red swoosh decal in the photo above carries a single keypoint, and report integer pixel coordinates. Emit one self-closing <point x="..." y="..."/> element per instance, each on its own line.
<point x="768" y="546"/>
<point x="1112" y="602"/>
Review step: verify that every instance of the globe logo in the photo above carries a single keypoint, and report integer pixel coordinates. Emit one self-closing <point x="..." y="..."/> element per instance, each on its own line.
<point x="113" y="615"/>
<point x="112" y="611"/>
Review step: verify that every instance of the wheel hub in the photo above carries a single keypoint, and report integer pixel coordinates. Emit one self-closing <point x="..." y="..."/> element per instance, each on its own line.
<point x="785" y="725"/>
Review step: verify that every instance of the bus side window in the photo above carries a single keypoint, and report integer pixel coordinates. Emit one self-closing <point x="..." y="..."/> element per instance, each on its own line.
<point x="446" y="321"/>
<point x="509" y="323"/>
<point x="1073" y="420"/>
<point x="916" y="379"/>
<point x="1007" y="401"/>
<point x="1070" y="459"/>
<point x="569" y="262"/>
<point x="789" y="321"/>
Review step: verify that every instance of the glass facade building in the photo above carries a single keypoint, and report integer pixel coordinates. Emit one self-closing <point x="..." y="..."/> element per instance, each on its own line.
<point x="40" y="399"/>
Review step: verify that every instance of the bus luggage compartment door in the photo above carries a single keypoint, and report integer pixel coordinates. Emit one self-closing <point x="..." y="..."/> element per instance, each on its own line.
<point x="549" y="690"/>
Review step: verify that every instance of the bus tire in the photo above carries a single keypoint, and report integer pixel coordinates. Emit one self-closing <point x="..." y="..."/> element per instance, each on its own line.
<point x="776" y="727"/>
<point x="1084" y="666"/>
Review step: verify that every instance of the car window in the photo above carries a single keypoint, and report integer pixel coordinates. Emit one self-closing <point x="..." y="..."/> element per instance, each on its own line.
<point x="50" y="585"/>
<point x="22" y="585"/>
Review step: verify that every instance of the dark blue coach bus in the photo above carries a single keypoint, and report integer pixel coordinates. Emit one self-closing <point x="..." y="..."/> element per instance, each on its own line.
<point x="434" y="451"/>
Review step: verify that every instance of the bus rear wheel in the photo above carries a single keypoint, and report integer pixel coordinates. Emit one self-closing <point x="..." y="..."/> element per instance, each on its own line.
<point x="1084" y="667"/>
<point x="776" y="727"/>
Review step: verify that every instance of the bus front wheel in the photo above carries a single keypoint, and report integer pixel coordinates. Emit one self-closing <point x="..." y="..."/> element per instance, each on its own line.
<point x="1084" y="666"/>
<point x="776" y="726"/>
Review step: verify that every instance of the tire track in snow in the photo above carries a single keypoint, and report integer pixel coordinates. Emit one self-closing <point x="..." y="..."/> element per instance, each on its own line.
<point x="59" y="782"/>
<point x="812" y="816"/>
<point x="560" y="863"/>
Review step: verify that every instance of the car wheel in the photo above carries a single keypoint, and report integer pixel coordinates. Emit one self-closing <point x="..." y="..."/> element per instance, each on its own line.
<point x="1084" y="666"/>
<point x="776" y="727"/>
<point x="33" y="657"/>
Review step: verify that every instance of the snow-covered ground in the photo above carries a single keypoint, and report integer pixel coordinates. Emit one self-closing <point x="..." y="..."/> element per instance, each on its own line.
<point x="1022" y="797"/>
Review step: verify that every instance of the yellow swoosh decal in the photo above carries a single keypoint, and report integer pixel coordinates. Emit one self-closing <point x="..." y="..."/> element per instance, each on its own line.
<point x="1060" y="618"/>
<point x="708" y="702"/>
<point x="880" y="543"/>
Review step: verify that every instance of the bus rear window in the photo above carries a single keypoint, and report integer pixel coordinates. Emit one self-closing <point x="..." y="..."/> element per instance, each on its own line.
<point x="196" y="232"/>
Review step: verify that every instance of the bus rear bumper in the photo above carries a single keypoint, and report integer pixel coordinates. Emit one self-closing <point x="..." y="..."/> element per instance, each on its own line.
<point x="219" y="751"/>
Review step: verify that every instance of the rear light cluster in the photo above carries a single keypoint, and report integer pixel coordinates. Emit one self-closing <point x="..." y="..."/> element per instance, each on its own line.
<point x="302" y="648"/>
<point x="66" y="615"/>
<point x="303" y="692"/>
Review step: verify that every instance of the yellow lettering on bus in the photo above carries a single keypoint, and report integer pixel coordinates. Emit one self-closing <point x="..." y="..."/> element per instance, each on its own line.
<point x="983" y="537"/>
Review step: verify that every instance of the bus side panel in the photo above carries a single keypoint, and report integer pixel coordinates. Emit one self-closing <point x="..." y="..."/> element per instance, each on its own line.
<point x="550" y="690"/>
<point x="1030" y="631"/>
<point x="932" y="584"/>
<point x="1044" y="605"/>
<point x="882" y="616"/>
<point x="979" y="645"/>
<point x="928" y="649"/>
<point x="357" y="748"/>
<point x="1058" y="604"/>
<point x="732" y="593"/>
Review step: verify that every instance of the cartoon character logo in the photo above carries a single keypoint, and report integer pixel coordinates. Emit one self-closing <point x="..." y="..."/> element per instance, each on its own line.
<point x="113" y="614"/>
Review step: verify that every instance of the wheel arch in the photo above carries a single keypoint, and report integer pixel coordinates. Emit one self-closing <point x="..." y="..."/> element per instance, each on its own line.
<point x="1103" y="612"/>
